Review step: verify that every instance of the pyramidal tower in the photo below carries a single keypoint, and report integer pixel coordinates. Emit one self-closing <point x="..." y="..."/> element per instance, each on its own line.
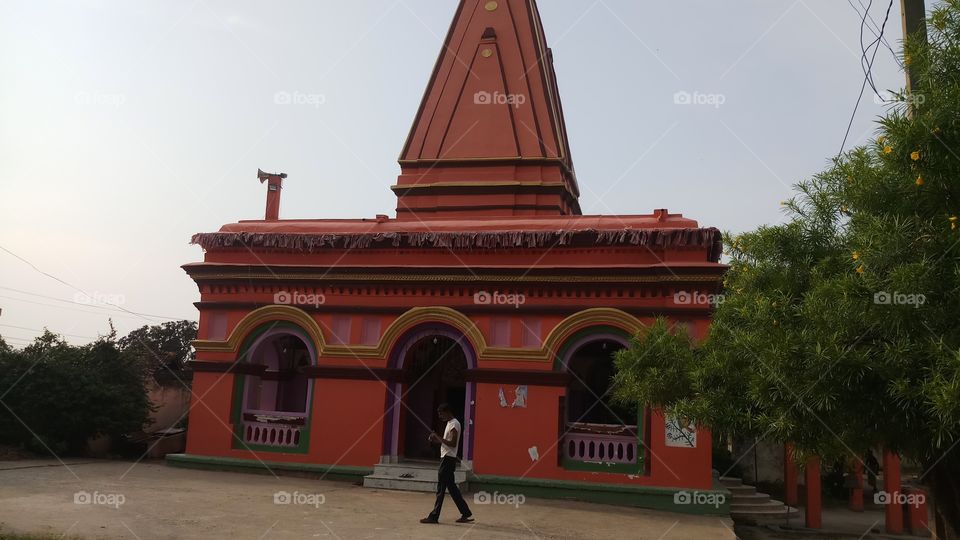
<point x="489" y="137"/>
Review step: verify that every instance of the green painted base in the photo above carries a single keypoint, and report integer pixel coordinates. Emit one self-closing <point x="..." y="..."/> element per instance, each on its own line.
<point x="330" y="472"/>
<point x="715" y="502"/>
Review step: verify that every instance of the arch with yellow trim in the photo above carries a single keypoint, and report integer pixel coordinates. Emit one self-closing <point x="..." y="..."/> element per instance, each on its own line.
<point x="287" y="430"/>
<point x="609" y="317"/>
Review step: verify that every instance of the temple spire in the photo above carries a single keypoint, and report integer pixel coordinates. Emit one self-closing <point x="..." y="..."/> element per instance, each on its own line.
<point x="489" y="137"/>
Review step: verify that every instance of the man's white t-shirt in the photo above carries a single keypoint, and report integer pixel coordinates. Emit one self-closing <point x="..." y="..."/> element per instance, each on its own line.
<point x="451" y="451"/>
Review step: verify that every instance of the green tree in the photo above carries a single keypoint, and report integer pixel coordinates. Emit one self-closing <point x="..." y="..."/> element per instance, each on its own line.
<point x="839" y="329"/>
<point x="167" y="347"/>
<point x="58" y="395"/>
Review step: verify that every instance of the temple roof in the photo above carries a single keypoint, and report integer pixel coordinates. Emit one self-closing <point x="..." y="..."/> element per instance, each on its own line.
<point x="490" y="133"/>
<point x="660" y="230"/>
<point x="661" y="219"/>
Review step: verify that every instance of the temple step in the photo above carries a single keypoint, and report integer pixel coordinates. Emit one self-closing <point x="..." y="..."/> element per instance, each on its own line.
<point x="410" y="477"/>
<point x="747" y="505"/>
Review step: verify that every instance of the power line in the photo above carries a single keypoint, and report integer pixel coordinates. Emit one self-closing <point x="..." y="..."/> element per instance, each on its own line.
<point x="37" y="330"/>
<point x="875" y="44"/>
<point x="13" y="338"/>
<point x="108" y="307"/>
<point x="123" y="315"/>
<point x="875" y="30"/>
<point x="868" y="77"/>
<point x="78" y="289"/>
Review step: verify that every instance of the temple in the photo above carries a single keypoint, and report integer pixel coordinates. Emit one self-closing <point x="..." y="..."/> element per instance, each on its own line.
<point x="325" y="346"/>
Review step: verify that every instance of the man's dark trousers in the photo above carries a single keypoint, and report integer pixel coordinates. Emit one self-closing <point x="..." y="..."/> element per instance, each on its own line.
<point x="447" y="482"/>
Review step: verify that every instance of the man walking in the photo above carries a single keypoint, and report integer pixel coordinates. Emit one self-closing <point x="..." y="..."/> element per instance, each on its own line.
<point x="449" y="446"/>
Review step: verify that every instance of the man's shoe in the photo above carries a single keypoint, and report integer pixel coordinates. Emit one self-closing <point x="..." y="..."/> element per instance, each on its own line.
<point x="465" y="519"/>
<point x="430" y="520"/>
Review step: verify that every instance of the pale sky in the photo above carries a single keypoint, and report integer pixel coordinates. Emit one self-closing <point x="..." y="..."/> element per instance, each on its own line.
<point x="126" y="126"/>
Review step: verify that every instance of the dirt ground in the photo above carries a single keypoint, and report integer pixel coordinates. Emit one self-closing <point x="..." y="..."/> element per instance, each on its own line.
<point x="113" y="499"/>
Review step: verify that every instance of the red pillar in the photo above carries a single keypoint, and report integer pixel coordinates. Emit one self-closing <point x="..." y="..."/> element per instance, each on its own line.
<point x="814" y="509"/>
<point x="917" y="518"/>
<point x="789" y="476"/>
<point x="891" y="485"/>
<point x="856" y="492"/>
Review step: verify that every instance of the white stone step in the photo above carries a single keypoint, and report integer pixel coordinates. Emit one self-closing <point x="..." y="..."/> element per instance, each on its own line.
<point x="764" y="506"/>
<point x="404" y="484"/>
<point x="741" y="490"/>
<point x="750" y="506"/>
<point x="753" y="498"/>
<point x="773" y="512"/>
<point x="411" y="476"/>
<point x="402" y="472"/>
<point x="730" y="481"/>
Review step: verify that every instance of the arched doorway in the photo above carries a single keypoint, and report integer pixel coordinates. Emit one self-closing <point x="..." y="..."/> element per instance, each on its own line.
<point x="599" y="433"/>
<point x="591" y="367"/>
<point x="275" y="394"/>
<point x="434" y="362"/>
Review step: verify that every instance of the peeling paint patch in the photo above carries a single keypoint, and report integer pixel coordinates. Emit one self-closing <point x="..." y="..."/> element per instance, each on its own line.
<point x="503" y="399"/>
<point x="534" y="453"/>
<point x="520" y="401"/>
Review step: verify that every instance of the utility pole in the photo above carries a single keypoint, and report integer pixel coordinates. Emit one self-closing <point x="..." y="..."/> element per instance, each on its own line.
<point x="914" y="26"/>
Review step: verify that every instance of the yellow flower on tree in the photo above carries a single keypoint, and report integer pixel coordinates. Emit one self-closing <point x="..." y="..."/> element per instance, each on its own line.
<point x="915" y="156"/>
<point x="861" y="269"/>
<point x="887" y="149"/>
<point x="920" y="181"/>
<point x="953" y="223"/>
<point x="856" y="255"/>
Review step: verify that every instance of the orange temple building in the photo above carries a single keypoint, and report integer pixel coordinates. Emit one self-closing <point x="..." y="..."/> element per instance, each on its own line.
<point x="325" y="346"/>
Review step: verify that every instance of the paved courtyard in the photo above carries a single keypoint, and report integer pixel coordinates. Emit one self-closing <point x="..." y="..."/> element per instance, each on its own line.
<point x="151" y="500"/>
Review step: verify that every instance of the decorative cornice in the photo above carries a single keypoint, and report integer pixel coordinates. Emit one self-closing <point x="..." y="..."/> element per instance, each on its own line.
<point x="466" y="277"/>
<point x="652" y="238"/>
<point x="528" y="309"/>
<point x="474" y="161"/>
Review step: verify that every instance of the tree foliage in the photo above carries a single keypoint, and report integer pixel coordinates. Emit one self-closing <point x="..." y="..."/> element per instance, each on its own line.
<point x="167" y="347"/>
<point x="57" y="395"/>
<point x="839" y="329"/>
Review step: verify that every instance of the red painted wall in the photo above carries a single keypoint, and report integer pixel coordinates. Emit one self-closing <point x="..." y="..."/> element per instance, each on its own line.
<point x="504" y="436"/>
<point x="347" y="420"/>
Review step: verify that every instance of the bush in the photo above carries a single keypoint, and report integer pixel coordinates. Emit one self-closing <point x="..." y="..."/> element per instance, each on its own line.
<point x="59" y="395"/>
